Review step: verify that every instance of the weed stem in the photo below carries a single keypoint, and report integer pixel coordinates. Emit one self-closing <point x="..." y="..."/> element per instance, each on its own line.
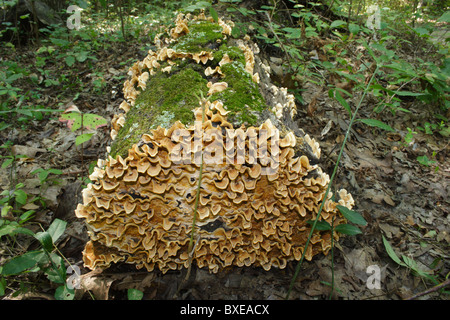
<point x="297" y="269"/>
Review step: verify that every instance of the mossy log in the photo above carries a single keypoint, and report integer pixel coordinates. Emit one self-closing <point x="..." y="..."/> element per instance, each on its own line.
<point x="165" y="86"/>
<point x="206" y="164"/>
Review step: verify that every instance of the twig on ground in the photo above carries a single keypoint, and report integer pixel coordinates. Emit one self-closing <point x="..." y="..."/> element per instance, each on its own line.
<point x="431" y="290"/>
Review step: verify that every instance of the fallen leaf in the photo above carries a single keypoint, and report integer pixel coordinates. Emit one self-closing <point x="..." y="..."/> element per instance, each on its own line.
<point x="326" y="129"/>
<point x="96" y="284"/>
<point x="30" y="206"/>
<point x="388" y="200"/>
<point x="29" y="152"/>
<point x="410" y="220"/>
<point x="389" y="230"/>
<point x="312" y="107"/>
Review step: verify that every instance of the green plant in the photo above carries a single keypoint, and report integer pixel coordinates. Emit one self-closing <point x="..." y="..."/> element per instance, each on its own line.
<point x="43" y="174"/>
<point x="44" y="259"/>
<point x="351" y="215"/>
<point x="12" y="102"/>
<point x="423" y="160"/>
<point x="46" y="181"/>
<point x="7" y="78"/>
<point x="409" y="263"/>
<point x="134" y="294"/>
<point x="15" y="196"/>
<point x="431" y="128"/>
<point x="349" y="229"/>
<point x="409" y="137"/>
<point x="75" y="120"/>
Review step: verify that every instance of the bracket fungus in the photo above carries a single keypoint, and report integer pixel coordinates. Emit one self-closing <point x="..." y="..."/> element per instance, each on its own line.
<point x="260" y="182"/>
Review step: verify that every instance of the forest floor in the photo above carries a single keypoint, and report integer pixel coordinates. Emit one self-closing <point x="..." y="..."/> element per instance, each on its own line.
<point x="402" y="200"/>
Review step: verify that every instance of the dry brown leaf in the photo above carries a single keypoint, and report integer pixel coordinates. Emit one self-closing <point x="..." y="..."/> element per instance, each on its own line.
<point x="96" y="284"/>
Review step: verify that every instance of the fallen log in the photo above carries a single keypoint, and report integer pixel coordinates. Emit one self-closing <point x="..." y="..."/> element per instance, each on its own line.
<point x="207" y="164"/>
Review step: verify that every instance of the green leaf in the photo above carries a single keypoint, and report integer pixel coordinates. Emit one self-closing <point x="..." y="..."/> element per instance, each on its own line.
<point x="214" y="14"/>
<point x="82" y="56"/>
<point x="90" y="121"/>
<point x="83" y="138"/>
<point x="343" y="102"/>
<point x="445" y="132"/>
<point x="352" y="216"/>
<point x="55" y="171"/>
<point x="134" y="294"/>
<point x="353" y="28"/>
<point x="7" y="162"/>
<point x="409" y="94"/>
<point x="197" y="6"/>
<point x="337" y="23"/>
<point x="445" y="17"/>
<point x="73" y="120"/>
<point x="7" y="229"/>
<point x="41" y="50"/>
<point x="43" y="174"/>
<point x="57" y="271"/>
<point x="70" y="60"/>
<point x="45" y="239"/>
<point x="348" y="229"/>
<point x="56" y="229"/>
<point x="22" y="263"/>
<point x="2" y="285"/>
<point x="320" y="225"/>
<point x="54" y="275"/>
<point x="64" y="293"/>
<point x="5" y="210"/>
<point x="293" y="33"/>
<point x="421" y="31"/>
<point x="18" y="230"/>
<point x="24" y="231"/>
<point x="423" y="160"/>
<point x="392" y="253"/>
<point x="21" y="196"/>
<point x="377" y="123"/>
<point x="14" y="77"/>
<point x="4" y="125"/>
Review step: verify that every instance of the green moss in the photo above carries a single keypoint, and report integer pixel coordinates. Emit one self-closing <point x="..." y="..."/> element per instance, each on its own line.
<point x="203" y="35"/>
<point x="166" y="99"/>
<point x="242" y="97"/>
<point x="234" y="53"/>
<point x="171" y="97"/>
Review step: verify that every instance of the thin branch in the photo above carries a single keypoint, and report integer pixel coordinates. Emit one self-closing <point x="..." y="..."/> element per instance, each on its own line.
<point x="431" y="290"/>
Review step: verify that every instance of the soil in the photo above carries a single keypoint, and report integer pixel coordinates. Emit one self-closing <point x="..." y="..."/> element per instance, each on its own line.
<point x="402" y="200"/>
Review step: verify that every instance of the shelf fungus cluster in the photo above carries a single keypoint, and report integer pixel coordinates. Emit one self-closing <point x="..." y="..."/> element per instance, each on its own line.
<point x="251" y="183"/>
